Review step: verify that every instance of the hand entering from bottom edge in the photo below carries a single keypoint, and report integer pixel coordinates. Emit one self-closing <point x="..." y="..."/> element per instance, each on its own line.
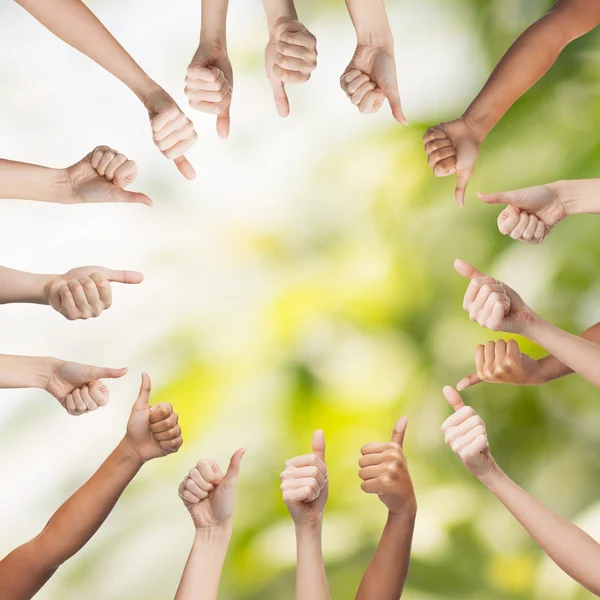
<point x="305" y="484"/>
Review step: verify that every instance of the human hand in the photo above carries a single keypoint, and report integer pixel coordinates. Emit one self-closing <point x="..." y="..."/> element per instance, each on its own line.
<point x="503" y="362"/>
<point x="209" y="494"/>
<point x="78" y="387"/>
<point x="384" y="472"/>
<point x="102" y="176"/>
<point x="209" y="84"/>
<point x="453" y="148"/>
<point x="152" y="431"/>
<point x="492" y="303"/>
<point x="85" y="292"/>
<point x="290" y="57"/>
<point x="531" y="213"/>
<point x="370" y="78"/>
<point x="305" y="484"/>
<point x="466" y="434"/>
<point x="172" y="131"/>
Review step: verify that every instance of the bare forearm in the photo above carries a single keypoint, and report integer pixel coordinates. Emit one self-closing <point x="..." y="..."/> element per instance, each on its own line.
<point x="386" y="574"/>
<point x="575" y="552"/>
<point x="32" y="182"/>
<point x="202" y="573"/>
<point x="578" y="354"/>
<point x="29" y="567"/>
<point x="214" y="21"/>
<point x="279" y="9"/>
<point x="370" y="21"/>
<point x="25" y="371"/>
<point x="75" y="24"/>
<point x="580" y="196"/>
<point x="528" y="59"/>
<point x="311" y="578"/>
<point x="19" y="286"/>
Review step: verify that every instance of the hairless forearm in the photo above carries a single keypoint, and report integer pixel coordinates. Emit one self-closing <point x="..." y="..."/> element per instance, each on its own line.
<point x="74" y="23"/>
<point x="214" y="21"/>
<point x="25" y="570"/>
<point x="22" y="181"/>
<point x="202" y="573"/>
<point x="528" y="59"/>
<point x="370" y="21"/>
<point x="311" y="578"/>
<point x="575" y="552"/>
<point x="25" y="371"/>
<point x="279" y="9"/>
<point x="19" y="286"/>
<point x="386" y="574"/>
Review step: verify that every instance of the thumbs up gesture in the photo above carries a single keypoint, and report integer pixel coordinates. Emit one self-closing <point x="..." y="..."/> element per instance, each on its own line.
<point x="102" y="176"/>
<point x="152" y="431"/>
<point x="305" y="484"/>
<point x="531" y="214"/>
<point x="85" y="292"/>
<point x="384" y="471"/>
<point x="492" y="303"/>
<point x="209" y="494"/>
<point x="466" y="434"/>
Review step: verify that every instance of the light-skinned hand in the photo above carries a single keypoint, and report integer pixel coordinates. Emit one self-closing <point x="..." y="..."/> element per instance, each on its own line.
<point x="384" y="471"/>
<point x="152" y="431"/>
<point x="85" y="292"/>
<point x="305" y="484"/>
<point x="102" y="176"/>
<point x="209" y="84"/>
<point x="79" y="388"/>
<point x="531" y="213"/>
<point x="172" y="131"/>
<point x="209" y="494"/>
<point x="290" y="57"/>
<point x="371" y="78"/>
<point x="503" y="362"/>
<point x="492" y="303"/>
<point x="452" y="149"/>
<point x="465" y="433"/>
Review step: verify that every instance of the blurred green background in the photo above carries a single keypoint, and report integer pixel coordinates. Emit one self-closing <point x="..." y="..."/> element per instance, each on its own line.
<point x="303" y="281"/>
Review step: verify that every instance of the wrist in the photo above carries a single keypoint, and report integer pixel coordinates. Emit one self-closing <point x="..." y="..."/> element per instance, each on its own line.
<point x="310" y="527"/>
<point x="41" y="371"/>
<point x="407" y="509"/>
<point x="375" y="36"/>
<point x="569" y="196"/>
<point x="491" y="477"/>
<point x="212" y="533"/>
<point x="478" y="125"/>
<point x="59" y="187"/>
<point x="278" y="13"/>
<point x="128" y="449"/>
<point x="146" y="90"/>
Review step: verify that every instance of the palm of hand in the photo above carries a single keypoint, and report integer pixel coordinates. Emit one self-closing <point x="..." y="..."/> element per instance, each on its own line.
<point x="481" y="463"/>
<point x="88" y="186"/>
<point x="68" y="377"/>
<point x="140" y="435"/>
<point x="214" y="510"/>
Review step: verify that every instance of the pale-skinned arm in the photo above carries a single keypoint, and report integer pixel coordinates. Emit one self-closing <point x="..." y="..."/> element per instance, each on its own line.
<point x="25" y="570"/>
<point x="74" y="23"/>
<point x="496" y="306"/>
<point x="305" y="489"/>
<point x="573" y="550"/>
<point x="453" y="147"/>
<point x="209" y="496"/>
<point x="384" y="472"/>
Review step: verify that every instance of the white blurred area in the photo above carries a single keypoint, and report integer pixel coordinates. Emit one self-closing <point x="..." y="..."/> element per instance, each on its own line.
<point x="201" y="284"/>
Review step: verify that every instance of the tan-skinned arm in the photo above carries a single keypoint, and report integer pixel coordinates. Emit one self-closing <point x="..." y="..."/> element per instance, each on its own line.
<point x="385" y="473"/>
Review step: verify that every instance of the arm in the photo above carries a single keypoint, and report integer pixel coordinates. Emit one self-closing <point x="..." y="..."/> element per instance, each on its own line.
<point x="74" y="23"/>
<point x="305" y="489"/>
<point x="384" y="472"/>
<point x="575" y="552"/>
<point x="25" y="570"/>
<point x="291" y="54"/>
<point x="33" y="182"/>
<point x="209" y="496"/>
<point x="19" y="286"/>
<point x="371" y="77"/>
<point x="209" y="81"/>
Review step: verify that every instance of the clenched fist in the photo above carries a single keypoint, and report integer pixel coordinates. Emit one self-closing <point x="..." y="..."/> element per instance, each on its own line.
<point x="102" y="176"/>
<point x="492" y="303"/>
<point x="152" y="431"/>
<point x="531" y="214"/>
<point x="209" y="494"/>
<point x="290" y="57"/>
<point x="503" y="362"/>
<point x="466" y="434"/>
<point x="453" y="148"/>
<point x="172" y="131"/>
<point x="78" y="387"/>
<point x="371" y="78"/>
<point x="384" y="472"/>
<point x="305" y="484"/>
<point x="85" y="292"/>
<point x="209" y="84"/>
